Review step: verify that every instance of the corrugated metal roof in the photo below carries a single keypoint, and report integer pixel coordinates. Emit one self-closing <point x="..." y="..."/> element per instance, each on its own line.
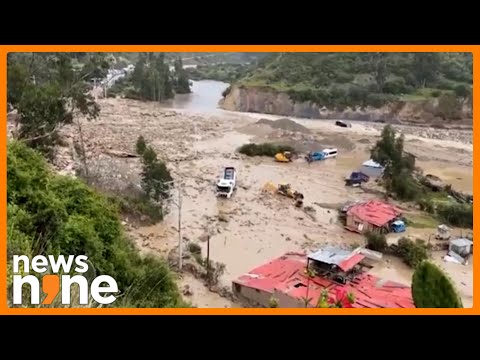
<point x="330" y="255"/>
<point x="461" y="242"/>
<point x="369" y="291"/>
<point x="344" y="259"/>
<point x="350" y="262"/>
<point x="267" y="276"/>
<point x="375" y="212"/>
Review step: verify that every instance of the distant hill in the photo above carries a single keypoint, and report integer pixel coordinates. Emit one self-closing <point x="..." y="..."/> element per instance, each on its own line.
<point x="337" y="81"/>
<point x="346" y="78"/>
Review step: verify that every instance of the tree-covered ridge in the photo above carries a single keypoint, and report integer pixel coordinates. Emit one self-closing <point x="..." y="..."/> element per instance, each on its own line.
<point x="152" y="79"/>
<point x="361" y="79"/>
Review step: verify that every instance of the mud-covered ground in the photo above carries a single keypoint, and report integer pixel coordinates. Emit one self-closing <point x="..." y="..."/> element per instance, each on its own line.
<point x="256" y="227"/>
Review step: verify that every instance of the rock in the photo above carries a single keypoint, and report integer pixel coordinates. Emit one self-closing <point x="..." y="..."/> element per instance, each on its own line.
<point x="223" y="217"/>
<point x="288" y="238"/>
<point x="124" y="223"/>
<point x="203" y="237"/>
<point x="187" y="291"/>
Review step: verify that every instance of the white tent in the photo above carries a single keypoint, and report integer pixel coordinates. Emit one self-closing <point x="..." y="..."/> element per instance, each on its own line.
<point x="371" y="168"/>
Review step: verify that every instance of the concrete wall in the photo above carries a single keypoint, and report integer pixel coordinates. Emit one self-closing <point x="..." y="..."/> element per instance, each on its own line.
<point x="255" y="296"/>
<point x="351" y="219"/>
<point x="285" y="301"/>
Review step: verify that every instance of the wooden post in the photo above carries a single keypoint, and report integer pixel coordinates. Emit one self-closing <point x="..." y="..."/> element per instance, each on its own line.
<point x="208" y="261"/>
<point x="308" y="283"/>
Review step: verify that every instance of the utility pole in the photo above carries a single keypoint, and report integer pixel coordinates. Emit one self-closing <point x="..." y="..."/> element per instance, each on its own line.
<point x="178" y="203"/>
<point x="95" y="90"/>
<point x="180" y="242"/>
<point x="208" y="261"/>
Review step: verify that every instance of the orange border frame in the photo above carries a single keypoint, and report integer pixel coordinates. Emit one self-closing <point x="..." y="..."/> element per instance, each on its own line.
<point x="4" y="310"/>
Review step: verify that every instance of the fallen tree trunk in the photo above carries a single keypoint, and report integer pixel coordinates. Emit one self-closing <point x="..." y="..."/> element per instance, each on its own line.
<point x="122" y="154"/>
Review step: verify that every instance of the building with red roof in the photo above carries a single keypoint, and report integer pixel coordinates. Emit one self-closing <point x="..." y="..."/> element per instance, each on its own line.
<point x="373" y="215"/>
<point x="286" y="280"/>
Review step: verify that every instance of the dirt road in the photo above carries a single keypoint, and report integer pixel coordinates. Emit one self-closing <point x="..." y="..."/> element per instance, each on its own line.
<point x="257" y="227"/>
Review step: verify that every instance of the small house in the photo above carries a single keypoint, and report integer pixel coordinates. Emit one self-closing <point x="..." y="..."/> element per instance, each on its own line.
<point x="462" y="247"/>
<point x="372" y="169"/>
<point x="287" y="281"/>
<point x="371" y="216"/>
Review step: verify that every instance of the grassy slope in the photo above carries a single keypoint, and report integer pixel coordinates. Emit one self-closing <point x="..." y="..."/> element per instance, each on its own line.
<point x="349" y="78"/>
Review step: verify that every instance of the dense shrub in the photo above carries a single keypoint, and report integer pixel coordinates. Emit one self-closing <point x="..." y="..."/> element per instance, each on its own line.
<point x="460" y="215"/>
<point x="56" y="215"/>
<point x="462" y="91"/>
<point x="376" y="241"/>
<point x="411" y="252"/>
<point x="431" y="288"/>
<point x="265" y="149"/>
<point x="396" y="87"/>
<point x="426" y="205"/>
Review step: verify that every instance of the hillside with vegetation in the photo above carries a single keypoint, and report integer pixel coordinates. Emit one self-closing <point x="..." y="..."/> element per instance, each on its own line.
<point x="53" y="214"/>
<point x="438" y="83"/>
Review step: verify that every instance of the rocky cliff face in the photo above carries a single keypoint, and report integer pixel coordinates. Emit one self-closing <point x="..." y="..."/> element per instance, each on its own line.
<point x="269" y="102"/>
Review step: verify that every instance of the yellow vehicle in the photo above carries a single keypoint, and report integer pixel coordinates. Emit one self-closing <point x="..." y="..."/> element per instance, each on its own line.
<point x="285" y="156"/>
<point x="285" y="190"/>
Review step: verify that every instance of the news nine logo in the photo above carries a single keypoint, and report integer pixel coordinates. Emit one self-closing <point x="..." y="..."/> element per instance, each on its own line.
<point x="52" y="282"/>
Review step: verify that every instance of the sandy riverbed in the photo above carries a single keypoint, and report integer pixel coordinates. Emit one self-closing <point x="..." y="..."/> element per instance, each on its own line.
<point x="259" y="227"/>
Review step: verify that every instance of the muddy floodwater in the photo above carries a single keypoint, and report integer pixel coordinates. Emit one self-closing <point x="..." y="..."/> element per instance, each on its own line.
<point x="203" y="99"/>
<point x="198" y="140"/>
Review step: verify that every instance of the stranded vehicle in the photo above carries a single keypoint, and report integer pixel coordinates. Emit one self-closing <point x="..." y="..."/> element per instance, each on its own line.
<point x="226" y="184"/>
<point x="321" y="155"/>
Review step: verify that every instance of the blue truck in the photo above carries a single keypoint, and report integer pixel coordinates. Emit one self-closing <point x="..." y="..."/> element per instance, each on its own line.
<point x="356" y="178"/>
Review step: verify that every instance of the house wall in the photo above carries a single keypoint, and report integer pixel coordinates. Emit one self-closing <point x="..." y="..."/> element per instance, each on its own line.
<point x="285" y="301"/>
<point x="252" y="295"/>
<point x="351" y="220"/>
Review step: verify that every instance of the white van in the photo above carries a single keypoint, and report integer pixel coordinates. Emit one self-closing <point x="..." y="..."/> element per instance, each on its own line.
<point x="329" y="153"/>
<point x="227" y="183"/>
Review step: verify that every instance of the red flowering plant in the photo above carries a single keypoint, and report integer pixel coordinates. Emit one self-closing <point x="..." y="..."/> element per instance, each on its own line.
<point x="342" y="299"/>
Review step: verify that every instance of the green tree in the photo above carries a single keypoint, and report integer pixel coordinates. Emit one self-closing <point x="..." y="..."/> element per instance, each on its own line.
<point x="376" y="241"/>
<point x="48" y="92"/>
<point x="182" y="84"/>
<point x="50" y="214"/>
<point x="151" y="78"/>
<point x="398" y="166"/>
<point x="431" y="288"/>
<point x="379" y="63"/>
<point x="141" y="145"/>
<point x="462" y="91"/>
<point x="156" y="179"/>
<point x="425" y="68"/>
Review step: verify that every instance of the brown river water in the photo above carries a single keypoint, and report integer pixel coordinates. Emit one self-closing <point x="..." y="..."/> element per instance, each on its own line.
<point x="261" y="227"/>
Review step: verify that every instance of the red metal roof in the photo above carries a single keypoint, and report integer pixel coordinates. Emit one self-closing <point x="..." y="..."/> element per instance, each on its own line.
<point x="350" y="262"/>
<point x="287" y="275"/>
<point x="375" y="212"/>
<point x="269" y="275"/>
